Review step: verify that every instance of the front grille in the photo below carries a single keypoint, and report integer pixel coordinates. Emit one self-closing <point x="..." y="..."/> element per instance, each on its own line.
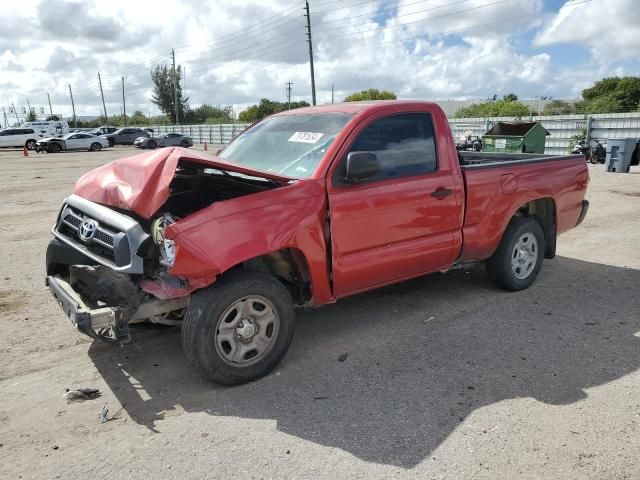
<point x="102" y="241"/>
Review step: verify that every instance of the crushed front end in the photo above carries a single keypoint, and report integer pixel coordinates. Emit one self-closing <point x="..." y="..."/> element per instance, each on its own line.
<point x="97" y="264"/>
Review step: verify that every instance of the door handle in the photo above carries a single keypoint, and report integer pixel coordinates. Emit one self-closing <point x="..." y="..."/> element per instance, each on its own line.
<point x="441" y="192"/>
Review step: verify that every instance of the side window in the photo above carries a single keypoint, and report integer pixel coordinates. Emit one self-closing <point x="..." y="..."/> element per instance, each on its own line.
<point x="404" y="145"/>
<point x="28" y="131"/>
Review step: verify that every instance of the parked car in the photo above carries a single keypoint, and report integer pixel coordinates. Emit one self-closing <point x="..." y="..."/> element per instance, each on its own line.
<point x="72" y="141"/>
<point x="102" y="130"/>
<point x="19" y="137"/>
<point x="125" y="136"/>
<point x="305" y="207"/>
<point x="166" y="140"/>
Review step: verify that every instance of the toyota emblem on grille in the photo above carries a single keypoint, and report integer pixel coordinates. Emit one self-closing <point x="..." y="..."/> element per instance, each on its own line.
<point x="87" y="230"/>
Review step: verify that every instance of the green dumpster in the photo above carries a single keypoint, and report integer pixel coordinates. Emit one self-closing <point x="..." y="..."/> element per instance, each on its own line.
<point x="523" y="137"/>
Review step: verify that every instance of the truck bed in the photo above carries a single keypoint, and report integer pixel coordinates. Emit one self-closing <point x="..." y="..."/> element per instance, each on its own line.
<point x="486" y="160"/>
<point x="497" y="184"/>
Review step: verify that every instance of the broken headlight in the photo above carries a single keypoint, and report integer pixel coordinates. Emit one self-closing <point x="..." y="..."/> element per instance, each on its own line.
<point x="167" y="247"/>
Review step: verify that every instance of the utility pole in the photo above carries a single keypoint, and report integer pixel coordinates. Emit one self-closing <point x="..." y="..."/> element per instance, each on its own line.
<point x="4" y="114"/>
<point x="124" y="104"/>
<point x="50" y="109"/>
<point x="313" y="79"/>
<point x="29" y="108"/>
<point x="289" y="85"/>
<point x="15" y="112"/>
<point x="175" y="86"/>
<point x="106" y="119"/>
<point x="73" y="107"/>
<point x="332" y="93"/>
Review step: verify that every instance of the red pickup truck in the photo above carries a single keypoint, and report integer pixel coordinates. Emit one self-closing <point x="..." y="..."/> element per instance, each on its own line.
<point x="303" y="208"/>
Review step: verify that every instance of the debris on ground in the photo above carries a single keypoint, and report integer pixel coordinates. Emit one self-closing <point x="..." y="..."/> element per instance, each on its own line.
<point x="104" y="414"/>
<point x="343" y="357"/>
<point x="81" y="394"/>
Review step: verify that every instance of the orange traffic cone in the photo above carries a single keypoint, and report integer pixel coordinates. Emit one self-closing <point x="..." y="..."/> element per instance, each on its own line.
<point x="25" y="152"/>
<point x="205" y="146"/>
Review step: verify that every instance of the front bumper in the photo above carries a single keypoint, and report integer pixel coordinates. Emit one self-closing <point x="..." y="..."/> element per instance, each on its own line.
<point x="91" y="322"/>
<point x="107" y="323"/>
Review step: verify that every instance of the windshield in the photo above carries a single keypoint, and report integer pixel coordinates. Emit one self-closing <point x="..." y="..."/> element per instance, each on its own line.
<point x="291" y="145"/>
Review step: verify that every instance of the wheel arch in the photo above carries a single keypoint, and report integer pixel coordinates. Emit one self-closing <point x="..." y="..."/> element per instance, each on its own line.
<point x="543" y="210"/>
<point x="287" y="265"/>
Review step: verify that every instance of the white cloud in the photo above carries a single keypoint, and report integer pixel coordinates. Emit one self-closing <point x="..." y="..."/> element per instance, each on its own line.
<point x="610" y="28"/>
<point x="406" y="46"/>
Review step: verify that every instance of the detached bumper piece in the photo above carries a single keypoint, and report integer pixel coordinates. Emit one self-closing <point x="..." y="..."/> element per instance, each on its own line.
<point x="108" y="323"/>
<point x="103" y="323"/>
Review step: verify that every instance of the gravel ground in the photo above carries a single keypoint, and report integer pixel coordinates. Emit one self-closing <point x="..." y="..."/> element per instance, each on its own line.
<point x="445" y="377"/>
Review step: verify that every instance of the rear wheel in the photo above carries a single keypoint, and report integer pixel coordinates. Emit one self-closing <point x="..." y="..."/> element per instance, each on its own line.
<point x="56" y="148"/>
<point x="112" y="142"/>
<point x="152" y="144"/>
<point x="240" y="328"/>
<point x="184" y="144"/>
<point x="30" y="144"/>
<point x="518" y="259"/>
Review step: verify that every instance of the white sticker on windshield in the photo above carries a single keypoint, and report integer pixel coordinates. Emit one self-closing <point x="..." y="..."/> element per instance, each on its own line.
<point x="306" y="137"/>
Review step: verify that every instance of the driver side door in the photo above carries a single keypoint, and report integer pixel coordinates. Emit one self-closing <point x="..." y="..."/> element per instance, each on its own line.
<point x="400" y="222"/>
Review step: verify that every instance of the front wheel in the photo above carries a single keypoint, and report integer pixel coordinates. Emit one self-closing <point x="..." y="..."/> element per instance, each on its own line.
<point x="112" y="142"/>
<point x="518" y="259"/>
<point x="95" y="147"/>
<point x="31" y="144"/>
<point x="240" y="328"/>
<point x="152" y="144"/>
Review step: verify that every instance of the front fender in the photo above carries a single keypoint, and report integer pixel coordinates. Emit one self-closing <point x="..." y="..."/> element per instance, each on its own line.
<point x="231" y="232"/>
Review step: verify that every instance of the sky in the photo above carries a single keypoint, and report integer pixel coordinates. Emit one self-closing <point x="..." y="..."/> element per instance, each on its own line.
<point x="237" y="52"/>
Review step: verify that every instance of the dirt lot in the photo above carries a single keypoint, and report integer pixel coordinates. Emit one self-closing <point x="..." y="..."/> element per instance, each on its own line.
<point x="446" y="377"/>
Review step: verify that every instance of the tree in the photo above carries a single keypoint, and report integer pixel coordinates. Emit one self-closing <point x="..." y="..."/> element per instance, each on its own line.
<point x="510" y="97"/>
<point x="53" y="118"/>
<point x="31" y="116"/>
<point x="558" y="107"/>
<point x="613" y="94"/>
<point x="206" y="113"/>
<point x="498" y="108"/>
<point x="163" y="91"/>
<point x="265" y="108"/>
<point x="138" y="118"/>
<point x="371" y="94"/>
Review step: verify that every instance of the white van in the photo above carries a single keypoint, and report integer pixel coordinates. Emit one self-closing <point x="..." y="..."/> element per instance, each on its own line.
<point x="19" y="137"/>
<point x="48" y="128"/>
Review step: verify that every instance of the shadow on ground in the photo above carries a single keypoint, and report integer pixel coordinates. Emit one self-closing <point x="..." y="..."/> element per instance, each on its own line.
<point x="409" y="379"/>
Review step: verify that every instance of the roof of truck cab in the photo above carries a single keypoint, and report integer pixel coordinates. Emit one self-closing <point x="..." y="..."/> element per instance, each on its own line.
<point x="353" y="107"/>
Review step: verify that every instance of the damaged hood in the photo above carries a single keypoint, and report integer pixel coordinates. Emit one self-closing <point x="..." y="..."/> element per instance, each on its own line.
<point x="141" y="183"/>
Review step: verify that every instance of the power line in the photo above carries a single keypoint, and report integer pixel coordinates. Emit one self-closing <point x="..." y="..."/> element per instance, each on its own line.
<point x="412" y="22"/>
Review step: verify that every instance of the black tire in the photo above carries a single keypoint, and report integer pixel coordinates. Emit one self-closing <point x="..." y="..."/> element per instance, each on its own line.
<point x="184" y="144"/>
<point x="30" y="144"/>
<point x="111" y="141"/>
<point x="204" y="316"/>
<point x="500" y="266"/>
<point x="95" y="147"/>
<point x="57" y="148"/>
<point x="151" y="144"/>
<point x="594" y="159"/>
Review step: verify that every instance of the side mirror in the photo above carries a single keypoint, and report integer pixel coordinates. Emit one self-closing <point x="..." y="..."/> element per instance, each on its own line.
<point x="360" y="166"/>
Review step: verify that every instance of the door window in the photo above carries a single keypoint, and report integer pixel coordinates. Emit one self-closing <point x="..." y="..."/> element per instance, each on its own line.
<point x="404" y="145"/>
